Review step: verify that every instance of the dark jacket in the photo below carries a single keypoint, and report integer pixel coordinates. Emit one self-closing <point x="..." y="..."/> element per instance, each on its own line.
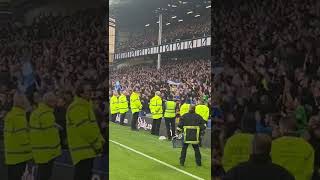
<point x="60" y="116"/>
<point x="259" y="167"/>
<point x="192" y="119"/>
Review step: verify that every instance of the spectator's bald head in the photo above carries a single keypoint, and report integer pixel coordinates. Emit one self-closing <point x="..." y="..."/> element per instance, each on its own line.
<point x="261" y="144"/>
<point x="158" y="93"/>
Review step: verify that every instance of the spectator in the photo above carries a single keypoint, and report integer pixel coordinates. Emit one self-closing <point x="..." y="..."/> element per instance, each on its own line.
<point x="259" y="165"/>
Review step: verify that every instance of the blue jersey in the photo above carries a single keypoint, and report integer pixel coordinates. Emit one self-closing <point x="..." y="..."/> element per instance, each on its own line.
<point x="117" y="87"/>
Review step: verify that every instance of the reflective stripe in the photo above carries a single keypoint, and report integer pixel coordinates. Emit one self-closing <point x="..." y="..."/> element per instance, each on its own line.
<point x="170" y="110"/>
<point x="15" y="131"/>
<point x="41" y="128"/>
<point x="25" y="144"/>
<point x="18" y="152"/>
<point x="81" y="148"/>
<point x="43" y="113"/>
<point x="76" y="104"/>
<point x="84" y="121"/>
<point x="20" y="115"/>
<point x="46" y="147"/>
<point x="85" y="147"/>
<point x="94" y="141"/>
<point x="81" y="122"/>
<point x="197" y="135"/>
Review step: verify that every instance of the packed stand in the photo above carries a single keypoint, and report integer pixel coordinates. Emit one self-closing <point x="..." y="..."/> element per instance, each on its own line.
<point x="188" y="29"/>
<point x="270" y="51"/>
<point x="188" y="78"/>
<point x="56" y="53"/>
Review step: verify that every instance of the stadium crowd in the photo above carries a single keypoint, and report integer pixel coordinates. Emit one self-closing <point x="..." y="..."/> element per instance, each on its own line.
<point x="189" y="77"/>
<point x="187" y="29"/>
<point x="270" y="51"/>
<point x="55" y="53"/>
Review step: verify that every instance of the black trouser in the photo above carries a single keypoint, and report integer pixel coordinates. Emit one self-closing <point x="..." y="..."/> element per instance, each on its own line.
<point x="45" y="170"/>
<point x="170" y="123"/>
<point x="134" y="120"/>
<point x="113" y="117"/>
<point x="16" y="171"/>
<point x="316" y="174"/>
<point x="83" y="170"/>
<point x="156" y="126"/>
<point x="122" y="116"/>
<point x="196" y="153"/>
<point x="200" y="140"/>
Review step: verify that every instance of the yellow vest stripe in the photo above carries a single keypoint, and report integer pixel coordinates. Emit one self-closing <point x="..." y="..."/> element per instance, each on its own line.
<point x="46" y="147"/>
<point x="41" y="128"/>
<point x="16" y="130"/>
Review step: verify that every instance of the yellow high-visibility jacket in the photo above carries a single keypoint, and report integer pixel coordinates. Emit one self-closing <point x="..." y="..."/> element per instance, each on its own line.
<point x="84" y="137"/>
<point x="170" y="111"/>
<point x="44" y="135"/>
<point x="203" y="111"/>
<point x="123" y="104"/>
<point x="135" y="103"/>
<point x="114" y="105"/>
<point x="156" y="107"/>
<point x="184" y="109"/>
<point x="237" y="150"/>
<point x="294" y="154"/>
<point x="17" y="147"/>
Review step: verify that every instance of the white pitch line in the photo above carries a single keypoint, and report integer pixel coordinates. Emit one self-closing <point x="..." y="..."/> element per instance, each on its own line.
<point x="161" y="162"/>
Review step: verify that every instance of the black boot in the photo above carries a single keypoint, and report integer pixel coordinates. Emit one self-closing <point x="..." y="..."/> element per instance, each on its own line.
<point x="198" y="163"/>
<point x="181" y="163"/>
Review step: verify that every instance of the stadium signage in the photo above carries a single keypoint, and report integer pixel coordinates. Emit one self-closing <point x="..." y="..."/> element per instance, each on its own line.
<point x="182" y="45"/>
<point x="143" y="124"/>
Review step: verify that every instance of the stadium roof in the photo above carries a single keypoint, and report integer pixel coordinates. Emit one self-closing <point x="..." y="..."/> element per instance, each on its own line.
<point x="137" y="13"/>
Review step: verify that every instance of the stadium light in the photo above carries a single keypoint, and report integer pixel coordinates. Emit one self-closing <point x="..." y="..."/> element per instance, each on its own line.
<point x="173" y="17"/>
<point x="197" y="15"/>
<point x="147" y="25"/>
<point x="208" y="6"/>
<point x="180" y="20"/>
<point x="168" y="24"/>
<point x="190" y="12"/>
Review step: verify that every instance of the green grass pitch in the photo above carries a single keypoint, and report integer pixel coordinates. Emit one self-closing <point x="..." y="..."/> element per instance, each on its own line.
<point x="128" y="165"/>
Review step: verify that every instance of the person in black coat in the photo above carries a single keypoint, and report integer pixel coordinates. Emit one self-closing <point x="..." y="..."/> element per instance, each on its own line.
<point x="191" y="136"/>
<point x="259" y="166"/>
